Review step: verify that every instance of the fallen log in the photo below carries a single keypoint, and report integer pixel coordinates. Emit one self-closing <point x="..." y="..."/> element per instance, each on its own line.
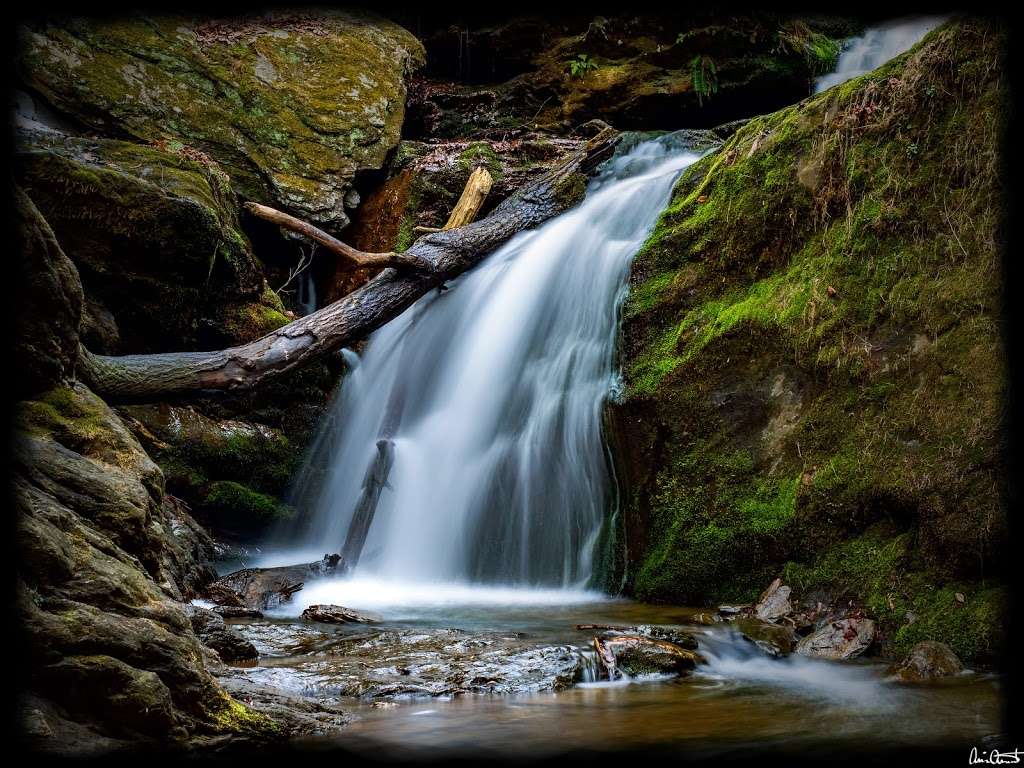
<point x="260" y="589"/>
<point x="427" y="264"/>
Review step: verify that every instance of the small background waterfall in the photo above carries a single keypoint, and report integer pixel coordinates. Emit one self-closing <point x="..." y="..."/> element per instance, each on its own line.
<point x="876" y="46"/>
<point x="493" y="391"/>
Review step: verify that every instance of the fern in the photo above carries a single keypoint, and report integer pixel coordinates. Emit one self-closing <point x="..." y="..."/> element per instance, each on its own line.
<point x="704" y="76"/>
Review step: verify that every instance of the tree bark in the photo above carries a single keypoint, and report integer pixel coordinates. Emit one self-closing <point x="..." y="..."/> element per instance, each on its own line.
<point x="395" y="289"/>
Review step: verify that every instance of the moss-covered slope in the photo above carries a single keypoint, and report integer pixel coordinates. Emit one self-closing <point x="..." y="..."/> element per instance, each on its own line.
<point x="813" y="356"/>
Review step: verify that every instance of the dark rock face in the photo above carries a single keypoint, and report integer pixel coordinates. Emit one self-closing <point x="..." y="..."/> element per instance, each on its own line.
<point x="755" y="438"/>
<point x="47" y="304"/>
<point x="640" y="72"/>
<point x="214" y="633"/>
<point x="155" y="236"/>
<point x="105" y="558"/>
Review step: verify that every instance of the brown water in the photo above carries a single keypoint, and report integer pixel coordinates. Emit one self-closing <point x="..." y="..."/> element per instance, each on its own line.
<point x="741" y="699"/>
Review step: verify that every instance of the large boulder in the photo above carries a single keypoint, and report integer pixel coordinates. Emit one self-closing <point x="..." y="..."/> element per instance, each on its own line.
<point x="47" y="303"/>
<point x="104" y="562"/>
<point x="292" y="105"/>
<point x="154" y="233"/>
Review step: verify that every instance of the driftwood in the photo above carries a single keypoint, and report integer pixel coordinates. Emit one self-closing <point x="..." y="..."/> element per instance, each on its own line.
<point x="427" y="264"/>
<point x="260" y="589"/>
<point x="469" y="204"/>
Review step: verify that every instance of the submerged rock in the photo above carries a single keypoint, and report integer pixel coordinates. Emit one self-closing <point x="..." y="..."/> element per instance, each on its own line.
<point x="336" y="614"/>
<point x="839" y="639"/>
<point x="640" y="655"/>
<point x="352" y="660"/>
<point x="927" y="660"/>
<point x="773" y="639"/>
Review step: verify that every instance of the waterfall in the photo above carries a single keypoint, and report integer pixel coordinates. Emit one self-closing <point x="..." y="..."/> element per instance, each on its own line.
<point x="876" y="46"/>
<point x="491" y="392"/>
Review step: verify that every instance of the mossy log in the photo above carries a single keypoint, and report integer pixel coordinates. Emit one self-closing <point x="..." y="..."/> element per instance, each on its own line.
<point x="428" y="263"/>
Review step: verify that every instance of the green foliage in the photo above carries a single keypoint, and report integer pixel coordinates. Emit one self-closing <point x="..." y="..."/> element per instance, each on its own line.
<point x="819" y="50"/>
<point x="579" y="66"/>
<point x="704" y="77"/>
<point x="237" y="507"/>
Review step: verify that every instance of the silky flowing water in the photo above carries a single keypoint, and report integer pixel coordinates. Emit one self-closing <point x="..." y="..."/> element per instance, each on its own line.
<point x="480" y="560"/>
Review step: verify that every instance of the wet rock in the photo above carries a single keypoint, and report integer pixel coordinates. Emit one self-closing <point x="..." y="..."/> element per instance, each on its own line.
<point x="773" y="639"/>
<point x="639" y="655"/>
<point x="102" y="565"/>
<point x="927" y="660"/>
<point x="336" y="614"/>
<point x="774" y="602"/>
<point x="351" y="660"/>
<point x="214" y="633"/>
<point x="47" y="304"/>
<point x="300" y="715"/>
<point x="839" y="639"/>
<point x="729" y="612"/>
<point x="237" y="612"/>
<point x="290" y="105"/>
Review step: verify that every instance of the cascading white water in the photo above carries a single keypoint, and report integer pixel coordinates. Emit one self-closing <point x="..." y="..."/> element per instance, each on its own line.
<point x="492" y="392"/>
<point x="876" y="46"/>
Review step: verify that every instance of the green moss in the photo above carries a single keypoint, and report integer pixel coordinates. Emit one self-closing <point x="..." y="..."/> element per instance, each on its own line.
<point x="822" y="296"/>
<point x="481" y="154"/>
<point x="881" y="571"/>
<point x="71" y="419"/>
<point x="234" y="506"/>
<point x="229" y="715"/>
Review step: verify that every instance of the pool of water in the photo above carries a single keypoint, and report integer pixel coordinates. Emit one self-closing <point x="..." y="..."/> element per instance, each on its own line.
<point x="739" y="699"/>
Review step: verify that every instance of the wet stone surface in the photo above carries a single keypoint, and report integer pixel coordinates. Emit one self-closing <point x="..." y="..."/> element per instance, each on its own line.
<point x="404" y="663"/>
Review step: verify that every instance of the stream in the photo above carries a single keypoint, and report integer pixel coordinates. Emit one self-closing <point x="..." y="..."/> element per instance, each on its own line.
<point x="504" y="671"/>
<point x="479" y="558"/>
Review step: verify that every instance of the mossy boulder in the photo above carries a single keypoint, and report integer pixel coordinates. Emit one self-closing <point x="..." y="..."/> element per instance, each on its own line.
<point x="47" y="303"/>
<point x="154" y="233"/>
<point x="232" y="473"/>
<point x="291" y="105"/>
<point x="813" y="359"/>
